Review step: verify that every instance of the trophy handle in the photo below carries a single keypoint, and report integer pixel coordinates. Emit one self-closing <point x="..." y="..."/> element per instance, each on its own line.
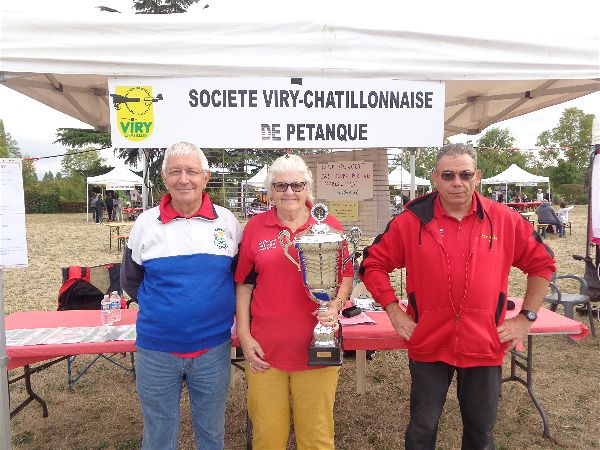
<point x="285" y="244"/>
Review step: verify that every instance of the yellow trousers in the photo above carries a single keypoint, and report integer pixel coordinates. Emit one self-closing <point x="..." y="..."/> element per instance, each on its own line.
<point x="312" y="395"/>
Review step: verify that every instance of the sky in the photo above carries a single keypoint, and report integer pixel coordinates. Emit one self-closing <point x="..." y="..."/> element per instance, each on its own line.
<point x="35" y="131"/>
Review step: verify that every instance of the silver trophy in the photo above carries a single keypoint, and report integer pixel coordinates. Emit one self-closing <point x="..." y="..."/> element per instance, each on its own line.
<point x="320" y="250"/>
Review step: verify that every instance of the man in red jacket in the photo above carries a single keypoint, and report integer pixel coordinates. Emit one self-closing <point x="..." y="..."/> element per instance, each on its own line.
<point x="458" y="248"/>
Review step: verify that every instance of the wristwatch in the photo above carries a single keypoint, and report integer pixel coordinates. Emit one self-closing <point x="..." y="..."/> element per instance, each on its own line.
<point x="529" y="315"/>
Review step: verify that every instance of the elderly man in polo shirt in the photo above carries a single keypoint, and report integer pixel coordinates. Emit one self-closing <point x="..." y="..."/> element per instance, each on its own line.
<point x="178" y="265"/>
<point x="458" y="248"/>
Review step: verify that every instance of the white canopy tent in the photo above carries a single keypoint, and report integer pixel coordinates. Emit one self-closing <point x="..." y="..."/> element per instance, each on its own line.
<point x="517" y="176"/>
<point x="400" y="177"/>
<point x="119" y="178"/>
<point x="490" y="74"/>
<point x="258" y="180"/>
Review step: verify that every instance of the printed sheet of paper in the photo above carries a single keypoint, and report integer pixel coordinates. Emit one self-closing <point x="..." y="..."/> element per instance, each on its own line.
<point x="13" y="243"/>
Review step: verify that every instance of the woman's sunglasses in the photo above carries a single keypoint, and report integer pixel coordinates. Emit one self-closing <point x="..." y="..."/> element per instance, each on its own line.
<point x="465" y="175"/>
<point x="282" y="187"/>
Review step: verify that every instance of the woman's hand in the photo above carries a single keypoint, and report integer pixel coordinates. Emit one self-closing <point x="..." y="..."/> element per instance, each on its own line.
<point x="329" y="317"/>
<point x="254" y="354"/>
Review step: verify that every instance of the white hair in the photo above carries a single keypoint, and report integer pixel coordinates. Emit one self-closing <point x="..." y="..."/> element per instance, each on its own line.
<point x="289" y="163"/>
<point x="184" y="148"/>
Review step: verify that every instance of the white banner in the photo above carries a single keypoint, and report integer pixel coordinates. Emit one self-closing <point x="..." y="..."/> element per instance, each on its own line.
<point x="276" y="112"/>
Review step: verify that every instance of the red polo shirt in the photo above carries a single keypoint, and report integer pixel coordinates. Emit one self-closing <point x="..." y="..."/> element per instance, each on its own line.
<point x="282" y="322"/>
<point x="457" y="236"/>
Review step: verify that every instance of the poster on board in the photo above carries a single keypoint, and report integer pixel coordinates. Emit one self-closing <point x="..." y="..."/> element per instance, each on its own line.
<point x="13" y="242"/>
<point x="345" y="180"/>
<point x="276" y="112"/>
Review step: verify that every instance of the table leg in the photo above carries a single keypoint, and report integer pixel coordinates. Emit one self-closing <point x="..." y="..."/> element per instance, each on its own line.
<point x="27" y="372"/>
<point x="524" y="361"/>
<point x="384" y="363"/>
<point x="361" y="366"/>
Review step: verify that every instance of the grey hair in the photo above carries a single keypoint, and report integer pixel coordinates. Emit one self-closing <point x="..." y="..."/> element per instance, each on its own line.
<point x="184" y="148"/>
<point x="289" y="163"/>
<point x="456" y="150"/>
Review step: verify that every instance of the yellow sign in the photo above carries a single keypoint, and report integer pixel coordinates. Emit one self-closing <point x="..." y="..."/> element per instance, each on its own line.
<point x="344" y="211"/>
<point x="135" y="115"/>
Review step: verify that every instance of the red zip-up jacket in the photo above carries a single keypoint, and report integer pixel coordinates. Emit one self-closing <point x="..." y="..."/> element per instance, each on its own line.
<point x="462" y="335"/>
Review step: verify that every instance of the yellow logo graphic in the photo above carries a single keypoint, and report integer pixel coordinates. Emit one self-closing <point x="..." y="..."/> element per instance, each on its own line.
<point x="135" y="114"/>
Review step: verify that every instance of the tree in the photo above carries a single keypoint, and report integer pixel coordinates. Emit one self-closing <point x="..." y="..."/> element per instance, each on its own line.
<point x="82" y="137"/>
<point x="424" y="161"/>
<point x="495" y="152"/>
<point x="564" y="173"/>
<point x="160" y="7"/>
<point x="8" y="146"/>
<point x="10" y="149"/>
<point x="571" y="140"/>
<point x="48" y="176"/>
<point x="82" y="163"/>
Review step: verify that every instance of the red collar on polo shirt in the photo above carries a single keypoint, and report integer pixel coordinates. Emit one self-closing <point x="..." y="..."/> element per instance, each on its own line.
<point x="273" y="221"/>
<point x="439" y="211"/>
<point x="167" y="213"/>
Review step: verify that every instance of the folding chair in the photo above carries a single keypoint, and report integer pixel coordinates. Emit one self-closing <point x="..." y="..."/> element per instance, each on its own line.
<point x="84" y="288"/>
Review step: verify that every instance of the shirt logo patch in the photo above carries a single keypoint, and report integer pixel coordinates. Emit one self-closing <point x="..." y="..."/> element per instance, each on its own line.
<point x="220" y="240"/>
<point x="488" y="237"/>
<point x="266" y="244"/>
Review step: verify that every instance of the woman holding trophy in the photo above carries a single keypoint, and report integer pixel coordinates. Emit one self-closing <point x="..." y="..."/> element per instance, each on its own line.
<point x="276" y="316"/>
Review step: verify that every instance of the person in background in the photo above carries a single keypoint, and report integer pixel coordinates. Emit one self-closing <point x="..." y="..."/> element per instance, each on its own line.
<point x="118" y="208"/>
<point x="539" y="196"/>
<point x="563" y="213"/>
<point x="458" y="248"/>
<point x="547" y="215"/>
<point x="109" y="206"/>
<point x="275" y="319"/>
<point x="99" y="207"/>
<point x="178" y="265"/>
<point x="93" y="206"/>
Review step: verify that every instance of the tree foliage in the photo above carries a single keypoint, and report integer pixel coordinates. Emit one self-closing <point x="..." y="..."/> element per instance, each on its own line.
<point x="162" y="6"/>
<point x="495" y="152"/>
<point x="83" y="163"/>
<point x="569" y="140"/>
<point x="82" y="137"/>
<point x="424" y="161"/>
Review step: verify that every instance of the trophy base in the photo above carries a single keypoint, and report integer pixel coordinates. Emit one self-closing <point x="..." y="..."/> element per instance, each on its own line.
<point x="325" y="356"/>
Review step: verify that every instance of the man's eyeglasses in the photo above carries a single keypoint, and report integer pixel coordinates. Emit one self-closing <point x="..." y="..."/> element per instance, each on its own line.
<point x="191" y="173"/>
<point x="464" y="175"/>
<point x="282" y="187"/>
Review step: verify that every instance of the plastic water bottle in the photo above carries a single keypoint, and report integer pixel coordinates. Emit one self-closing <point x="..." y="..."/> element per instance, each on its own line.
<point x="115" y="306"/>
<point x="105" y="313"/>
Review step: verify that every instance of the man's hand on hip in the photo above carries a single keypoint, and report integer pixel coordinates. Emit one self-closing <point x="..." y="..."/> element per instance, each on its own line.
<point x="514" y="330"/>
<point x="402" y="322"/>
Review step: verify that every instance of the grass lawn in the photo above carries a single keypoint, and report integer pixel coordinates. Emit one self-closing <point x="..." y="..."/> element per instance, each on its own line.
<point x="102" y="411"/>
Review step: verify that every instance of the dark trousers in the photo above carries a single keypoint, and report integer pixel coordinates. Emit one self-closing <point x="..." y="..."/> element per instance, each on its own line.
<point x="478" y="392"/>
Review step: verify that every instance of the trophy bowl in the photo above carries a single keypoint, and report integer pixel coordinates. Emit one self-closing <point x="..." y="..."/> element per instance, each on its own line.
<point x="320" y="251"/>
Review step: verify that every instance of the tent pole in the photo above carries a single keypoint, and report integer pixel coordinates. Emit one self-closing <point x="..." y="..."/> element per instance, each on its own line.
<point x="413" y="156"/>
<point x="87" y="202"/>
<point x="144" y="178"/>
<point x="5" y="441"/>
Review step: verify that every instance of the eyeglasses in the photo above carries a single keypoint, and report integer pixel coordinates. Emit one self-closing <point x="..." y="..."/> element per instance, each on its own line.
<point x="296" y="186"/>
<point x="191" y="173"/>
<point x="464" y="175"/>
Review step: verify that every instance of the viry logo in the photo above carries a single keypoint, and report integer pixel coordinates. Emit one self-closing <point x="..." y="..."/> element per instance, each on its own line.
<point x="135" y="114"/>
